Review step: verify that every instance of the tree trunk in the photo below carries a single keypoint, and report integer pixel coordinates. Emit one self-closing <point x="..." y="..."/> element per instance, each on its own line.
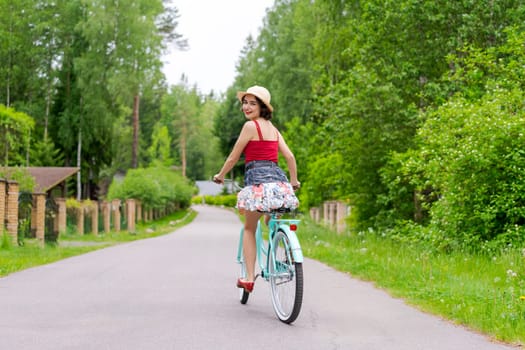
<point x="79" y="178"/>
<point x="418" y="208"/>
<point x="135" y="146"/>
<point x="183" y="150"/>
<point x="48" y="104"/>
<point x="28" y="146"/>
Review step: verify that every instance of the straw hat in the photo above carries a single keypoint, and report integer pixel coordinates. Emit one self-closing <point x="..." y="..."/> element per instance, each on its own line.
<point x="258" y="91"/>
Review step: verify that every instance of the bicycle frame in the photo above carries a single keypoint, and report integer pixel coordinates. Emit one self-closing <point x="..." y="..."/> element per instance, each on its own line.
<point x="275" y="224"/>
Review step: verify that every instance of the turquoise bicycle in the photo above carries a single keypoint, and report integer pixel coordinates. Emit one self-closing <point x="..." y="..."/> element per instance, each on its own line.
<point x="281" y="263"/>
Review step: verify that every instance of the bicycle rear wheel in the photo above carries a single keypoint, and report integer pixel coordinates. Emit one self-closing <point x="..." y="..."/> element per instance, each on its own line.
<point x="286" y="280"/>
<point x="243" y="294"/>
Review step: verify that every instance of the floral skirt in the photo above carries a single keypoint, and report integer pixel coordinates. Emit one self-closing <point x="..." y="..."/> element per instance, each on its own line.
<point x="265" y="197"/>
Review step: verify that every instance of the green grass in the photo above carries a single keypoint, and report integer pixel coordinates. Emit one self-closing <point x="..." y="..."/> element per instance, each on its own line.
<point x="486" y="294"/>
<point x="15" y="258"/>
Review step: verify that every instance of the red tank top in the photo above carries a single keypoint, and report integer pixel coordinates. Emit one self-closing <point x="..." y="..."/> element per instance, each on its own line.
<point x="261" y="149"/>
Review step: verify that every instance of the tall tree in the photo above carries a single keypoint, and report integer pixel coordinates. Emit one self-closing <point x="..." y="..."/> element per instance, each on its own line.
<point x="15" y="50"/>
<point x="182" y="105"/>
<point x="120" y="55"/>
<point x="160" y="149"/>
<point x="79" y="68"/>
<point x="358" y="74"/>
<point x="15" y="133"/>
<point x="204" y="157"/>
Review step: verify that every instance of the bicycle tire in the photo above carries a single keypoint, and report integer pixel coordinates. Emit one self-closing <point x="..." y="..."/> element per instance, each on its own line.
<point x="286" y="280"/>
<point x="243" y="294"/>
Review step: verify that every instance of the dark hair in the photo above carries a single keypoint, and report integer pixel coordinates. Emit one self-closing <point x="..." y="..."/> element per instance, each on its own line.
<point x="265" y="111"/>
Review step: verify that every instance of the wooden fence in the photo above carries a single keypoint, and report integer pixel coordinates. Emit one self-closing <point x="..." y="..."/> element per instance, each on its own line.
<point x="112" y="213"/>
<point x="333" y="214"/>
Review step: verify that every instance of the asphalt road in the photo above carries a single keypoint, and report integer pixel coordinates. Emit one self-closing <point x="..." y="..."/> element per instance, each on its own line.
<point x="178" y="292"/>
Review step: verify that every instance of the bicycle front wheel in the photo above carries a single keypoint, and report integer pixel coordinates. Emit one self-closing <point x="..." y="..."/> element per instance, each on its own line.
<point x="286" y="279"/>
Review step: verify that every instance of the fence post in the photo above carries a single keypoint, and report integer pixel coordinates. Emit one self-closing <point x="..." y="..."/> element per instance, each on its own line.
<point x="332" y="215"/>
<point x="2" y="204"/>
<point x="39" y="209"/>
<point x="131" y="211"/>
<point x="341" y="216"/>
<point x="12" y="210"/>
<point x="80" y="219"/>
<point x="61" y="218"/>
<point x="326" y="213"/>
<point x="115" y="206"/>
<point x="106" y="216"/>
<point x="94" y="218"/>
<point x="331" y="212"/>
<point x="314" y="214"/>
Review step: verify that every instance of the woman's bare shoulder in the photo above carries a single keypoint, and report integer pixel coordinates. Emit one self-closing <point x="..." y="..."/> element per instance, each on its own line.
<point x="249" y="125"/>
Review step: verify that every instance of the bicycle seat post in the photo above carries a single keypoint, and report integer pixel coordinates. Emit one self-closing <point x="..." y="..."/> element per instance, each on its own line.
<point x="273" y="221"/>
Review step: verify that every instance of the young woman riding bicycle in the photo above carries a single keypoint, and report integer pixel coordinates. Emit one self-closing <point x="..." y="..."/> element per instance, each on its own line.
<point x="266" y="184"/>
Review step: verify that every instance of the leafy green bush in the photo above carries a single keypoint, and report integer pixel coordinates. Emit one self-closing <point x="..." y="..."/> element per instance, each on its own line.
<point x="229" y="200"/>
<point x="15" y="135"/>
<point x="5" y="242"/>
<point x="25" y="181"/>
<point x="155" y="187"/>
<point x="470" y="161"/>
<point x="477" y="162"/>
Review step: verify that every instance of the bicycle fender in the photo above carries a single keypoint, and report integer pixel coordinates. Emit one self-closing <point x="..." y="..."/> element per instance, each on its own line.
<point x="294" y="243"/>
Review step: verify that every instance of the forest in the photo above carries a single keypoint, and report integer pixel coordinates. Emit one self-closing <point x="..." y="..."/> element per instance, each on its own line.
<point x="411" y="111"/>
<point x="82" y="85"/>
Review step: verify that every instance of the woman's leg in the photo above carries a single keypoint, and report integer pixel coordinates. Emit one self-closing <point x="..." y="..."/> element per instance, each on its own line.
<point x="249" y="246"/>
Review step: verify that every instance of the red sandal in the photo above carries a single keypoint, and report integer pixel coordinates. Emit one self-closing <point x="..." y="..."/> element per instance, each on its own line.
<point x="248" y="286"/>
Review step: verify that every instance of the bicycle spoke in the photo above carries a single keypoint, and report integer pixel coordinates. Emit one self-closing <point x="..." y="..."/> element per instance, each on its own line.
<point x="286" y="286"/>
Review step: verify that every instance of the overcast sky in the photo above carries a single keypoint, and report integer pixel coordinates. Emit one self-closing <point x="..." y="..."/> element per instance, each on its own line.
<point x="216" y="31"/>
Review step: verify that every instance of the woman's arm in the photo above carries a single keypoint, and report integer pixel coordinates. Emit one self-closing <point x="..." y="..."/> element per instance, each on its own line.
<point x="245" y="136"/>
<point x="290" y="161"/>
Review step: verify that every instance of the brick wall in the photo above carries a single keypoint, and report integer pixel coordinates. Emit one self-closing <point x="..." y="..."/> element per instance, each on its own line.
<point x="12" y="210"/>
<point x="3" y="195"/>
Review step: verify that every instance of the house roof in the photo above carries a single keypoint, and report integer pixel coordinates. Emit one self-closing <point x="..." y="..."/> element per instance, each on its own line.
<point x="48" y="177"/>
